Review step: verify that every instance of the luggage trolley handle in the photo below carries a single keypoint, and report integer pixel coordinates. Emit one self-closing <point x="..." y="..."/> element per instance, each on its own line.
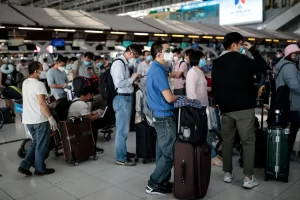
<point x="76" y="120"/>
<point x="179" y="115"/>
<point x="183" y="171"/>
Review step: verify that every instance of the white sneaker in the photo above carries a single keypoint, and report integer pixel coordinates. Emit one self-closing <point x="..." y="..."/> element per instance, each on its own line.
<point x="250" y="183"/>
<point x="228" y="177"/>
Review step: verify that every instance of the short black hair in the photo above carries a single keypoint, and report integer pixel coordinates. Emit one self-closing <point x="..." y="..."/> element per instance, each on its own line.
<point x="177" y="50"/>
<point x="33" y="66"/>
<point x="73" y="59"/>
<point x="62" y="59"/>
<point x="144" y="52"/>
<point x="88" y="54"/>
<point x="230" y="38"/>
<point x="279" y="51"/>
<point x="86" y="90"/>
<point x="22" y="61"/>
<point x="195" y="58"/>
<point x="135" y="48"/>
<point x="45" y="59"/>
<point x="157" y="47"/>
<point x="97" y="58"/>
<point x="189" y="51"/>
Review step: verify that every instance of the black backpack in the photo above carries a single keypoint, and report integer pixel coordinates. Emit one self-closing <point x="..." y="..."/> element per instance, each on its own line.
<point x="280" y="100"/>
<point x="195" y="121"/>
<point x="106" y="85"/>
<point x="62" y="109"/>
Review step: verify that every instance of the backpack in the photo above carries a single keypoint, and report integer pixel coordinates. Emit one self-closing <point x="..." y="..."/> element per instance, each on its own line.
<point x="80" y="82"/>
<point x="145" y="109"/>
<point x="193" y="121"/>
<point x="8" y="115"/>
<point x="106" y="84"/>
<point x="62" y="109"/>
<point x="280" y="100"/>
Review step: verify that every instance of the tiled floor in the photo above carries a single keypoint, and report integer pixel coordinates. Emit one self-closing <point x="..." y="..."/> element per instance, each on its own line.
<point x="103" y="180"/>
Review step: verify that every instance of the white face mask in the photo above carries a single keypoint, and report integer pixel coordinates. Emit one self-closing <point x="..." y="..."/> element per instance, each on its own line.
<point x="168" y="57"/>
<point x="61" y="69"/>
<point x="278" y="56"/>
<point x="175" y="58"/>
<point x="131" y="60"/>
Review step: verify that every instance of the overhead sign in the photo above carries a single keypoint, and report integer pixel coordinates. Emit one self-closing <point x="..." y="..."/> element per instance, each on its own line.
<point x="15" y="41"/>
<point x="233" y="12"/>
<point x="58" y="42"/>
<point x="78" y="42"/>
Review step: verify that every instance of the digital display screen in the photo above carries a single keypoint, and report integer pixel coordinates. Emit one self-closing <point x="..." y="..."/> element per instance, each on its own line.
<point x="58" y="42"/>
<point x="126" y="43"/>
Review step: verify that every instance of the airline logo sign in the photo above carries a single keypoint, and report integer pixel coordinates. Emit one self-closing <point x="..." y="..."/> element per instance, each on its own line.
<point x="234" y="12"/>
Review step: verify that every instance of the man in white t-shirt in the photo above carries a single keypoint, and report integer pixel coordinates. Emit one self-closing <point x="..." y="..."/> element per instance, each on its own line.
<point x="22" y="68"/>
<point x="79" y="107"/>
<point x="39" y="122"/>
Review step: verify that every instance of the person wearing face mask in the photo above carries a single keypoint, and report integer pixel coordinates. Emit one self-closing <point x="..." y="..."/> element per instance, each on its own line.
<point x="22" y="68"/>
<point x="144" y="68"/>
<point x="85" y="67"/>
<point x="39" y="121"/>
<point x="187" y="57"/>
<point x="232" y="87"/>
<point x="161" y="101"/>
<point x="179" y="72"/>
<point x="279" y="55"/>
<point x="57" y="79"/>
<point x="122" y="102"/>
<point x="290" y="75"/>
<point x="98" y="62"/>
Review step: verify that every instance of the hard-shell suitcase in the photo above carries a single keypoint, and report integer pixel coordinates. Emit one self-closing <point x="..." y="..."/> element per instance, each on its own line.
<point x="192" y="168"/>
<point x="77" y="139"/>
<point x="278" y="160"/>
<point x="145" y="142"/>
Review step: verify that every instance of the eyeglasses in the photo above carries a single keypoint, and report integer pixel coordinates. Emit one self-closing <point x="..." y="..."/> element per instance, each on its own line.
<point x="168" y="50"/>
<point x="135" y="56"/>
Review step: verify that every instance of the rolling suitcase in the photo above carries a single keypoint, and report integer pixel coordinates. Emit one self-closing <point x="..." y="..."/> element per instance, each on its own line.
<point x="77" y="139"/>
<point x="278" y="158"/>
<point x="145" y="142"/>
<point x="192" y="168"/>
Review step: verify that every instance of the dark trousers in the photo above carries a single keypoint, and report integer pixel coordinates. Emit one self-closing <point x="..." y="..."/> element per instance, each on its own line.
<point x="96" y="125"/>
<point x="181" y="91"/>
<point x="295" y="125"/>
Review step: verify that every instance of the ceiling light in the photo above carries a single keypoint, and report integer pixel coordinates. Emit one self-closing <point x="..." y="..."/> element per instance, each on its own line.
<point x="290" y="41"/>
<point x="91" y="31"/>
<point x="119" y="33"/>
<point x="177" y="35"/>
<point x="207" y="37"/>
<point x="275" y="40"/>
<point x="141" y="34"/>
<point x="193" y="36"/>
<point x="30" y="28"/>
<point x="219" y="38"/>
<point x="268" y="40"/>
<point x="65" y="30"/>
<point x="2" y="26"/>
<point x="251" y="39"/>
<point x="295" y="41"/>
<point x="161" y="35"/>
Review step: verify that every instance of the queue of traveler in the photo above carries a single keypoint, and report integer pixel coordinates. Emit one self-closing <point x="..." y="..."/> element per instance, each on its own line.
<point x="229" y="81"/>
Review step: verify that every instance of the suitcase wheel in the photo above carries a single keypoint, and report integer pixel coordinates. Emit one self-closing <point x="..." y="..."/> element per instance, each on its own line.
<point x="136" y="159"/>
<point x="21" y="153"/>
<point x="266" y="178"/>
<point x="95" y="157"/>
<point x="107" y="136"/>
<point x="76" y="163"/>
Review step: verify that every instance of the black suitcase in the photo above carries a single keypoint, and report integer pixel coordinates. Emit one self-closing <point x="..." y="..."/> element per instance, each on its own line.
<point x="145" y="142"/>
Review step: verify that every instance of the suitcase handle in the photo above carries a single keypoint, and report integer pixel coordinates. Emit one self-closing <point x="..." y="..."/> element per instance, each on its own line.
<point x="183" y="171"/>
<point x="76" y="120"/>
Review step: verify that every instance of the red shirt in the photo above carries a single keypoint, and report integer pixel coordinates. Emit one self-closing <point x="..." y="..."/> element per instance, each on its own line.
<point x="209" y="84"/>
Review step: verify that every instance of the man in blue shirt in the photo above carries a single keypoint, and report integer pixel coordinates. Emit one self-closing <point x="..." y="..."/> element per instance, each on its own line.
<point x="160" y="100"/>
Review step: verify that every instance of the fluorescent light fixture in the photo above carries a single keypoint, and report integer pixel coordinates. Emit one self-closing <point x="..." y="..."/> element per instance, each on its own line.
<point x="295" y="41"/>
<point x="289" y="41"/>
<point x="177" y="35"/>
<point x="268" y="40"/>
<point x="219" y="38"/>
<point x="2" y="26"/>
<point x="91" y="31"/>
<point x="275" y="40"/>
<point x="65" y="30"/>
<point x="30" y="28"/>
<point x="118" y="33"/>
<point x="207" y="37"/>
<point x="251" y="39"/>
<point x="193" y="36"/>
<point x="161" y="35"/>
<point x="144" y="34"/>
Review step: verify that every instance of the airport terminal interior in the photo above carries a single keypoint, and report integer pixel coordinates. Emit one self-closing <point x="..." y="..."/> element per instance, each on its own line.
<point x="70" y="31"/>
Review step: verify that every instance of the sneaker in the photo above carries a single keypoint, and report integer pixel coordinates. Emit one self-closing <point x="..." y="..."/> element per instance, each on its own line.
<point x="217" y="161"/>
<point x="158" y="190"/>
<point x="26" y="172"/>
<point x="128" y="162"/>
<point x="130" y="155"/>
<point x="228" y="177"/>
<point x="250" y="183"/>
<point x="47" y="172"/>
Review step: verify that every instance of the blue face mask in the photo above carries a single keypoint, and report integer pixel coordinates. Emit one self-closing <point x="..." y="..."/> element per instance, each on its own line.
<point x="241" y="49"/>
<point x="202" y="62"/>
<point x="130" y="65"/>
<point x="100" y="64"/>
<point x="86" y="63"/>
<point x="149" y="58"/>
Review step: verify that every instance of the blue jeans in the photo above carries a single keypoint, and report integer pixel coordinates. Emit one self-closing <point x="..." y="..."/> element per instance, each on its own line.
<point x="123" y="108"/>
<point x="166" y="137"/>
<point x="39" y="148"/>
<point x="212" y="148"/>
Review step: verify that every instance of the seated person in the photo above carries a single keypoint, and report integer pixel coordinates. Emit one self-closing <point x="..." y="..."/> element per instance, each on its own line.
<point x="79" y="107"/>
